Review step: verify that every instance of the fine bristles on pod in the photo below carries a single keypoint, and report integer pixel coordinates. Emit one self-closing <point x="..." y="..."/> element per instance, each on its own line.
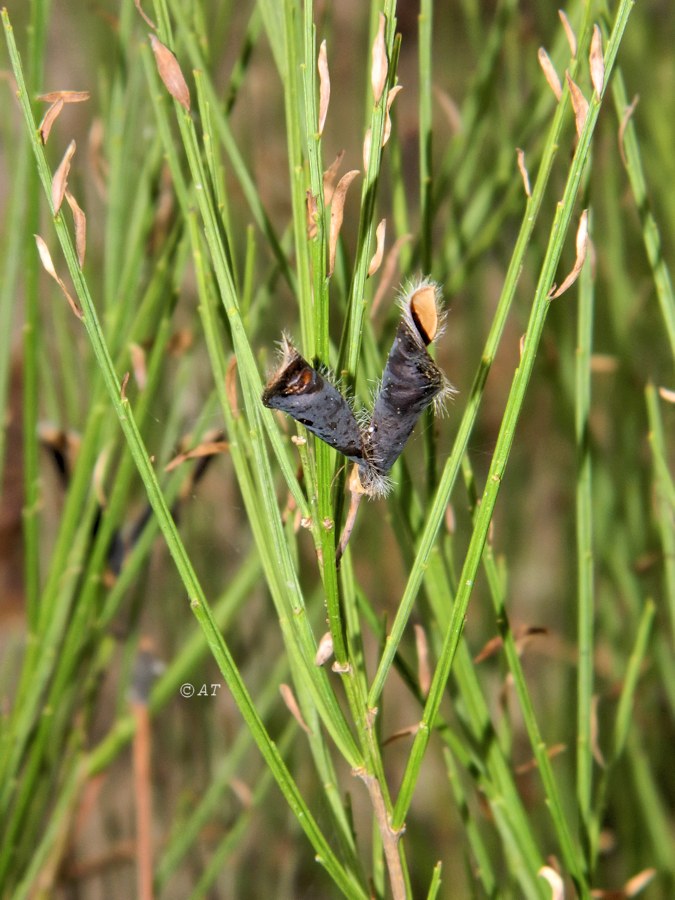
<point x="410" y="383"/>
<point x="301" y="391"/>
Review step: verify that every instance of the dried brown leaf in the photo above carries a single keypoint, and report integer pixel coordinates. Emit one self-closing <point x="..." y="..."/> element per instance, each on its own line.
<point x="137" y="354"/>
<point x="324" y="86"/>
<point x="49" y="118"/>
<point x="387" y="121"/>
<point x="639" y="882"/>
<point x="376" y="261"/>
<point x="380" y="66"/>
<point x="311" y="213"/>
<point x="490" y="648"/>
<point x="582" y="248"/>
<point x="549" y="72"/>
<point x="569" y="33"/>
<point x="449" y="108"/>
<point x="148" y="21"/>
<point x="423" y="668"/>
<point x="579" y="103"/>
<point x="627" y="116"/>
<point x="531" y="764"/>
<point x="60" y="179"/>
<point x="231" y="386"/>
<point x="97" y="161"/>
<point x="450" y="520"/>
<point x="330" y="177"/>
<point x="406" y="731"/>
<point x="289" y="699"/>
<point x="48" y="265"/>
<point x="324" y="650"/>
<point x="523" y="171"/>
<point x="667" y="394"/>
<point x="337" y="214"/>
<point x="206" y="448"/>
<point x="555" y="881"/>
<point x="98" y="477"/>
<point x="80" y="221"/>
<point x="242" y="792"/>
<point x="388" y="272"/>
<point x="603" y="363"/>
<point x="170" y="72"/>
<point x="66" y="96"/>
<point x="596" y="62"/>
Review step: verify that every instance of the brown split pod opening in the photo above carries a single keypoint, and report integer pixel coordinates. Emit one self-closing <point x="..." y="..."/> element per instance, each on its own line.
<point x="424" y="312"/>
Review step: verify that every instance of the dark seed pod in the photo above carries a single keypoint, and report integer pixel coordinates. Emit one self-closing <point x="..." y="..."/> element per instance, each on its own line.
<point x="411" y="381"/>
<point x="299" y="390"/>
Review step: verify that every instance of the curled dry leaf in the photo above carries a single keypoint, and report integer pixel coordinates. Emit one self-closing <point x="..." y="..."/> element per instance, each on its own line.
<point x="638" y="882"/>
<point x="98" y="164"/>
<point x="170" y="72"/>
<point x="337" y="214"/>
<point x="148" y="21"/>
<point x="98" y="477"/>
<point x="201" y="451"/>
<point x="667" y="394"/>
<point x="627" y="116"/>
<point x="49" y="118"/>
<point x="582" y="248"/>
<point x="123" y="386"/>
<point x="490" y="648"/>
<point x="80" y="221"/>
<point x="60" y="179"/>
<point x="596" y="62"/>
<point x="569" y="33"/>
<point x="423" y="669"/>
<point x="311" y="211"/>
<point x="603" y="363"/>
<point x="549" y="72"/>
<point x="376" y="261"/>
<point x="388" y="272"/>
<point x="324" y="650"/>
<point x="557" y="887"/>
<point x="532" y="764"/>
<point x="579" y="103"/>
<point x="324" y="86"/>
<point x="137" y="354"/>
<point x="523" y="171"/>
<point x="48" y="265"/>
<point x="404" y="732"/>
<point x="66" y="96"/>
<point x="380" y="66"/>
<point x="449" y="108"/>
<point x="231" y="386"/>
<point x="387" y="121"/>
<point x="450" y="520"/>
<point x="289" y="699"/>
<point x="330" y="177"/>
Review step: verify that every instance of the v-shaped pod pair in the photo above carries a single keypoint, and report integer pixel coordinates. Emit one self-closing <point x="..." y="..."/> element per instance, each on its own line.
<point x="411" y="381"/>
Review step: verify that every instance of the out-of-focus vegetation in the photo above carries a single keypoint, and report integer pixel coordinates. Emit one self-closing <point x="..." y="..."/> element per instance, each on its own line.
<point x="163" y="532"/>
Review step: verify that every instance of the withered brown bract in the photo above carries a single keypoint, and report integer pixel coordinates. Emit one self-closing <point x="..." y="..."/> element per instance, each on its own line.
<point x="299" y="390"/>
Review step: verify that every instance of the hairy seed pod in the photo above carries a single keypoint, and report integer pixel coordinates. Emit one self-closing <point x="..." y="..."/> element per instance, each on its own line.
<point x="302" y="392"/>
<point x="411" y="381"/>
